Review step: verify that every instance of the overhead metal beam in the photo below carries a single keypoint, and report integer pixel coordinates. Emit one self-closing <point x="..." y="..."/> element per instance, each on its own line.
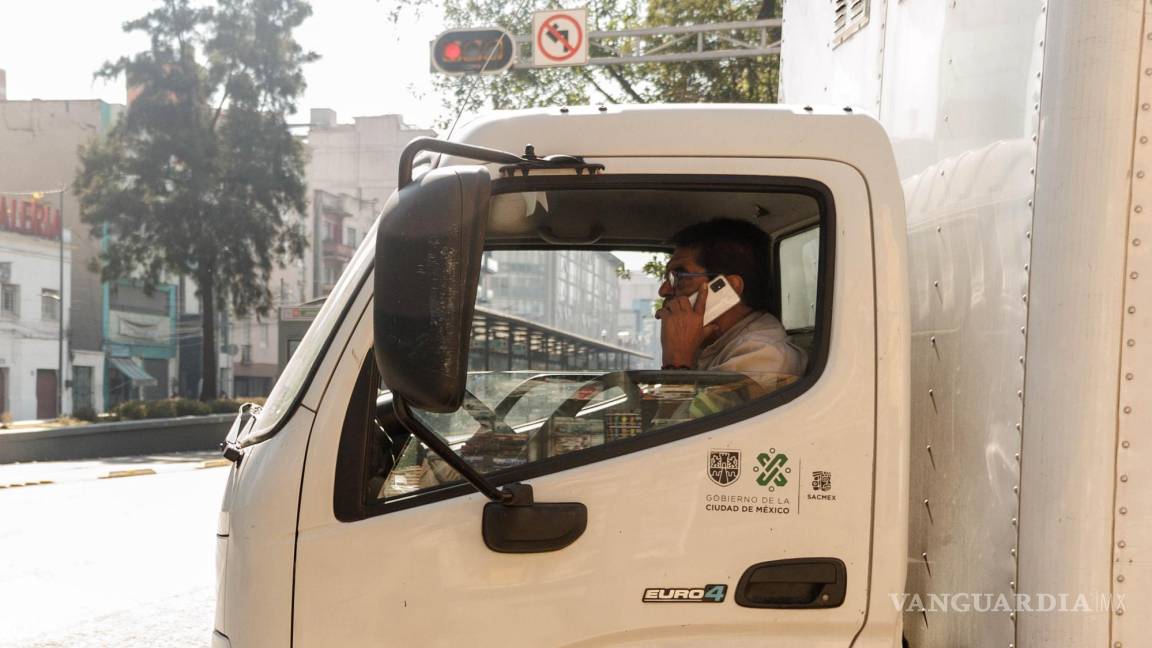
<point x="672" y="44"/>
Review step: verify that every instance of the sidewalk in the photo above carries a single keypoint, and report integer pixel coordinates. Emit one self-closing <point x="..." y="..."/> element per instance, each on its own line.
<point x="36" y="473"/>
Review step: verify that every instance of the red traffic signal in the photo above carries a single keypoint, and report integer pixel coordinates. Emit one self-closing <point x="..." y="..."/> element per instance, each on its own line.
<point x="465" y="51"/>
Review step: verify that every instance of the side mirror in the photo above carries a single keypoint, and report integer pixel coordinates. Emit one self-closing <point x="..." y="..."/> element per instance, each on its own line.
<point x="428" y="251"/>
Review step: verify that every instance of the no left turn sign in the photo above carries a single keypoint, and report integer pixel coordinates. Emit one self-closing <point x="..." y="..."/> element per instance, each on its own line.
<point x="560" y="37"/>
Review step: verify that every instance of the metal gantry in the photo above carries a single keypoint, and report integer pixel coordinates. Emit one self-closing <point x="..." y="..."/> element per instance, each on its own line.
<point x="672" y="44"/>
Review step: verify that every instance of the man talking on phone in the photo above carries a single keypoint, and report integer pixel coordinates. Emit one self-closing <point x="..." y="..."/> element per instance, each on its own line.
<point x="745" y="337"/>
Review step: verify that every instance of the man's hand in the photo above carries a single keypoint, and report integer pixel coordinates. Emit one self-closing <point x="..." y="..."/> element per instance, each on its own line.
<point x="682" y="329"/>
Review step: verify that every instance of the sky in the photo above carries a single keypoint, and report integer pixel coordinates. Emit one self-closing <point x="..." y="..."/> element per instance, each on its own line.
<point x="369" y="66"/>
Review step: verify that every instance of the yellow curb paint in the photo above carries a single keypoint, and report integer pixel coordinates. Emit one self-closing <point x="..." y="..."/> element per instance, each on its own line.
<point x="128" y="473"/>
<point x="216" y="463"/>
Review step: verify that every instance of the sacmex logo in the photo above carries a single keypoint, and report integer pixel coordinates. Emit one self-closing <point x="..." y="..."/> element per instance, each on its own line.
<point x="772" y="471"/>
<point x="706" y="594"/>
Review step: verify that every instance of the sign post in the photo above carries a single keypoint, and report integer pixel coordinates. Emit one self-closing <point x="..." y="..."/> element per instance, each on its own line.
<point x="560" y="37"/>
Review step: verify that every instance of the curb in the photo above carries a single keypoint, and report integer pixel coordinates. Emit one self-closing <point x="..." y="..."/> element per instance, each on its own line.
<point x="27" y="483"/>
<point x="127" y="473"/>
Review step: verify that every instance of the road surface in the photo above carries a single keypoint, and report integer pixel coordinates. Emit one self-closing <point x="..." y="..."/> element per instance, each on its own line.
<point x="128" y="561"/>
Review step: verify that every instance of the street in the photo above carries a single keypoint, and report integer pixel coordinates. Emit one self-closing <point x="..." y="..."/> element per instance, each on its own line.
<point x="125" y="561"/>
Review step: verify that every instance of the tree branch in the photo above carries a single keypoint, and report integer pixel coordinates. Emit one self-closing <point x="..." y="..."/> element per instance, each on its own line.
<point x="624" y="83"/>
<point x="592" y="79"/>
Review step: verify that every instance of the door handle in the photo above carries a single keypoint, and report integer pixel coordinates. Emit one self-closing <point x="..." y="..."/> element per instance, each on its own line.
<point x="794" y="583"/>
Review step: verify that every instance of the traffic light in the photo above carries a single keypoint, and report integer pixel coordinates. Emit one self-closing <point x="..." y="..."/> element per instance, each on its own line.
<point x="466" y="51"/>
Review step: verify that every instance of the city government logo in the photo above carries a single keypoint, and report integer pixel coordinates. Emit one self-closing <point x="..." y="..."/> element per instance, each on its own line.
<point x="724" y="466"/>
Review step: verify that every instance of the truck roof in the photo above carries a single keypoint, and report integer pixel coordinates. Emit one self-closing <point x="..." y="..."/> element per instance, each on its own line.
<point x="689" y="130"/>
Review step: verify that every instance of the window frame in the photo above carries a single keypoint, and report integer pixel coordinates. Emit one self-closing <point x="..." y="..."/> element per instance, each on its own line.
<point x="351" y="463"/>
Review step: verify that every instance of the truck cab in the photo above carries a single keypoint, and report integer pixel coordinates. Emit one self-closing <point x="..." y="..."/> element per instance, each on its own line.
<point x="477" y="441"/>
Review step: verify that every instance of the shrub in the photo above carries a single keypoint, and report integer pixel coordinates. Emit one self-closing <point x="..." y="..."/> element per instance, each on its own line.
<point x="224" y="406"/>
<point x="131" y="410"/>
<point x="160" y="409"/>
<point x="86" y="413"/>
<point x="190" y="407"/>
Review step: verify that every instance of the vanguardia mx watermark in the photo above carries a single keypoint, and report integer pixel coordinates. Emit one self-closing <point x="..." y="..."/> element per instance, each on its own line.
<point x="987" y="602"/>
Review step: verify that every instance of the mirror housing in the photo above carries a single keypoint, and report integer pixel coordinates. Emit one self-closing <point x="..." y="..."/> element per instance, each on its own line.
<point x="429" y="246"/>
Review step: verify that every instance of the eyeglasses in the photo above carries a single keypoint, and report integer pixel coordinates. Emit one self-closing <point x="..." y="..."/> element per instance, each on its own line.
<point x="673" y="276"/>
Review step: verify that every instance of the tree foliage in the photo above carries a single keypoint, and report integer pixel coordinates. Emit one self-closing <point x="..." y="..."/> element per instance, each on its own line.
<point x="201" y="173"/>
<point x="739" y="80"/>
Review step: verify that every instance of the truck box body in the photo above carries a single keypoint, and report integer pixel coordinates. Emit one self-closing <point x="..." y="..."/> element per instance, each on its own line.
<point x="1021" y="133"/>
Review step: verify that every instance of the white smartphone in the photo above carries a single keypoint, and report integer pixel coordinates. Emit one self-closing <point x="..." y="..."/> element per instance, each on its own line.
<point x="721" y="298"/>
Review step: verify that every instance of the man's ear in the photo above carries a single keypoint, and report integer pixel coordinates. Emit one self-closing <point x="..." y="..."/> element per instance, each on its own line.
<point x="737" y="283"/>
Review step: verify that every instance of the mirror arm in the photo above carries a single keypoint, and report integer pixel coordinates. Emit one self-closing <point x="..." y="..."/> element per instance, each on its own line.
<point x="441" y="448"/>
<point x="421" y="144"/>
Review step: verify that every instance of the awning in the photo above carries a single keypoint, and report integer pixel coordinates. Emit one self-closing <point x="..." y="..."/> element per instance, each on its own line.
<point x="135" y="372"/>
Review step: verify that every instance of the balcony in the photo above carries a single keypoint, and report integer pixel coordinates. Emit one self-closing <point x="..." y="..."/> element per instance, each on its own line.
<point x="333" y="250"/>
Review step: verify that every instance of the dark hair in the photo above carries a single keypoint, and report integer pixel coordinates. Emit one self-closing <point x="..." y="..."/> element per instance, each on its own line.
<point x="733" y="247"/>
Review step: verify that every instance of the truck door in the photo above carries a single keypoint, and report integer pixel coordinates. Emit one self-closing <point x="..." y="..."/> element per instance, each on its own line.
<point x="722" y="508"/>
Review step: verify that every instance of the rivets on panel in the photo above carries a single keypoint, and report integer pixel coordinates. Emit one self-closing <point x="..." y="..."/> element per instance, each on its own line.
<point x="1032" y="171"/>
<point x="939" y="229"/>
<point x="1026" y="266"/>
<point x="1136" y="242"/>
<point x="1148" y="71"/>
<point x="1024" y="298"/>
<point x="1143" y="139"/>
<point x="1131" y="343"/>
<point x="1123" y="510"/>
<point x="1028" y="234"/>
<point x="1127" y="409"/>
<point x="1013" y="524"/>
<point x="1138" y="209"/>
<point x="1139" y="174"/>
<point x="1017" y="457"/>
<point x="1012" y="585"/>
<point x="1029" y="203"/>
<point x="1016" y="489"/>
<point x="1129" y="376"/>
<point x="1135" y="275"/>
<point x="1117" y="645"/>
<point x="1022" y="330"/>
<point x="1019" y="427"/>
<point x="1012" y="615"/>
<point x="1121" y="544"/>
<point x="1125" y="444"/>
<point x="1021" y="358"/>
<point x="1124" y="478"/>
<point x="1119" y="611"/>
<point x="1145" y="106"/>
<point x="1131" y="310"/>
<point x="1120" y="579"/>
<point x="1019" y="394"/>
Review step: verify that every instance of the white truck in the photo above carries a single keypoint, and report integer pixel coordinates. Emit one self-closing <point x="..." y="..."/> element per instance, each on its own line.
<point x="473" y="445"/>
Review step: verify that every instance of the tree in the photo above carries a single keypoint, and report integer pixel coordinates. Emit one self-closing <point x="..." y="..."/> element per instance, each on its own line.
<point x="200" y="174"/>
<point x="742" y="80"/>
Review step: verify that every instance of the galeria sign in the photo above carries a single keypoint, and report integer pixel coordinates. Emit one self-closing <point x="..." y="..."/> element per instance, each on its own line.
<point x="27" y="216"/>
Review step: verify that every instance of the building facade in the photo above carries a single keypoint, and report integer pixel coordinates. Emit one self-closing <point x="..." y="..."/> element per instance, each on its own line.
<point x="35" y="279"/>
<point x="351" y="172"/>
<point x="40" y="140"/>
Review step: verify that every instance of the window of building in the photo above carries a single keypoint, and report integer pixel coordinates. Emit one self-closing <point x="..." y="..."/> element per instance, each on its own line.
<point x="49" y="304"/>
<point x="246" y="354"/>
<point x="350" y="237"/>
<point x="550" y="383"/>
<point x="10" y="300"/>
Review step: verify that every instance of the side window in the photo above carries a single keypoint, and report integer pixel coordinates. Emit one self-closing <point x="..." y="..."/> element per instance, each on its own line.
<point x="565" y="360"/>
<point x="798" y="270"/>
